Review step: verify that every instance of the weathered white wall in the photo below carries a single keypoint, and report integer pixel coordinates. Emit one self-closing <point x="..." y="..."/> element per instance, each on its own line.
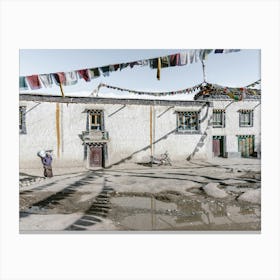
<point x="41" y="132"/>
<point x="232" y="129"/>
<point x="179" y="145"/>
<point x="128" y="127"/>
<point x="129" y="132"/>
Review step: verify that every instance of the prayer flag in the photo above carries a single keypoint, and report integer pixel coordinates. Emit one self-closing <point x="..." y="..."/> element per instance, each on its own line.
<point x="164" y="61"/>
<point x="94" y="73"/>
<point x="33" y="81"/>
<point x="70" y="78"/>
<point x="84" y="74"/>
<point x="183" y="58"/>
<point x="22" y="83"/>
<point x="59" y="77"/>
<point x="105" y="71"/>
<point x="46" y="80"/>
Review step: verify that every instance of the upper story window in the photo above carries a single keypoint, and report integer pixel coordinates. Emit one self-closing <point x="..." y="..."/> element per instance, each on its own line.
<point x="22" y="124"/>
<point x="96" y="121"/>
<point x="245" y="118"/>
<point x="218" y="118"/>
<point x="187" y="121"/>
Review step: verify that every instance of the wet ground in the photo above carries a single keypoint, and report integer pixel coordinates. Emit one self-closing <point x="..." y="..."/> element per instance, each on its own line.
<point x="144" y="199"/>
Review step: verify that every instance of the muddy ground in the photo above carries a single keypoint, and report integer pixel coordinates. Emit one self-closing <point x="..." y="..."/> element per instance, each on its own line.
<point x="195" y="196"/>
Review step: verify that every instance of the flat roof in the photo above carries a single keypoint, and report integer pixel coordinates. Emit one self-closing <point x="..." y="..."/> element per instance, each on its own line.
<point x="102" y="100"/>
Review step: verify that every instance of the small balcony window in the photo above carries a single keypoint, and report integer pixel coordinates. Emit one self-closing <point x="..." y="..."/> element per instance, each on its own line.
<point x="96" y="120"/>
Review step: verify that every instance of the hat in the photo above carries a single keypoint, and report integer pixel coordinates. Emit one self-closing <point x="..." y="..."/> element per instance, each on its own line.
<point x="41" y="153"/>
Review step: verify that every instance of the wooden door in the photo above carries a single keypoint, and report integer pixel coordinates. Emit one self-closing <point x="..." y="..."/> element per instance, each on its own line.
<point x="216" y="147"/>
<point x="95" y="159"/>
<point x="246" y="146"/>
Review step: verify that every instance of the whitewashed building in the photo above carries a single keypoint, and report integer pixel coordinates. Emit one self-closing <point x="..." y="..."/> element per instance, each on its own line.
<point x="100" y="132"/>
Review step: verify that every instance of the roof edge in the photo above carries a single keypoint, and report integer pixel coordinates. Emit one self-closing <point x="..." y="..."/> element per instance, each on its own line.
<point x="102" y="100"/>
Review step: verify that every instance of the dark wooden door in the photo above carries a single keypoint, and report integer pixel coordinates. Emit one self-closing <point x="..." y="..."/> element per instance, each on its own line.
<point x="95" y="159"/>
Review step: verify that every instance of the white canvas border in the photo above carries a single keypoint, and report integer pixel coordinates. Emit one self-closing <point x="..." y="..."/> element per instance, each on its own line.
<point x="155" y="24"/>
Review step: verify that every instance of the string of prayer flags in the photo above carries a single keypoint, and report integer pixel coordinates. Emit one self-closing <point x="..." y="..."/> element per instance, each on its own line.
<point x="182" y="91"/>
<point x="226" y="50"/>
<point x="123" y="65"/>
<point x="71" y="78"/>
<point x="254" y="84"/>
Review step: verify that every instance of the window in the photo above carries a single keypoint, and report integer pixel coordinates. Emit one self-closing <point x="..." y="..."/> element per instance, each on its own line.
<point x="96" y="120"/>
<point x="187" y="121"/>
<point x="218" y="118"/>
<point x="22" y="124"/>
<point x="245" y="118"/>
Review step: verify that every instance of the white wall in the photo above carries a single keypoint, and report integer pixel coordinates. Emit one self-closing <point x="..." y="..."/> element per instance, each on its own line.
<point x="129" y="131"/>
<point x="41" y="132"/>
<point x="128" y="127"/>
<point x="232" y="128"/>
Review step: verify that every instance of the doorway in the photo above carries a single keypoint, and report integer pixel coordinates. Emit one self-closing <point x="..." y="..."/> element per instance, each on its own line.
<point x="246" y="145"/>
<point x="95" y="156"/>
<point x="218" y="146"/>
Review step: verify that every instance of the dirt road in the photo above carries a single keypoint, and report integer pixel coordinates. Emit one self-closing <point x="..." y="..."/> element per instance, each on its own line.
<point x="194" y="196"/>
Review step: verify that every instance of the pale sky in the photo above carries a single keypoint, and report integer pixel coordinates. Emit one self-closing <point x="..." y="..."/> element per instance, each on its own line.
<point x="235" y="69"/>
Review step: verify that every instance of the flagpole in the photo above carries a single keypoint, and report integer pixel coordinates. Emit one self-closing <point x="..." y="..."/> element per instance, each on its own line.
<point x="61" y="89"/>
<point x="203" y="70"/>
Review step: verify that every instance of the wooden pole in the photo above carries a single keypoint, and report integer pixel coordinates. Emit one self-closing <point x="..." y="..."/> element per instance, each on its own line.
<point x="61" y="89"/>
<point x="203" y="69"/>
<point x="58" y="129"/>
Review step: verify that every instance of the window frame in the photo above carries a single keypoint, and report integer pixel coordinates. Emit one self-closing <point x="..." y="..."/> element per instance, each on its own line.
<point x="223" y="122"/>
<point x="251" y="118"/>
<point x="99" y="124"/>
<point x="187" y="128"/>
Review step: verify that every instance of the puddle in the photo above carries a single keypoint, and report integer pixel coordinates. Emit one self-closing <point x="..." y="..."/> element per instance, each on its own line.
<point x="184" y="213"/>
<point x="143" y="203"/>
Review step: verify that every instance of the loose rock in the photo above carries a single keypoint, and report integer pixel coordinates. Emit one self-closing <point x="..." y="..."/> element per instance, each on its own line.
<point x="212" y="189"/>
<point x="253" y="196"/>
